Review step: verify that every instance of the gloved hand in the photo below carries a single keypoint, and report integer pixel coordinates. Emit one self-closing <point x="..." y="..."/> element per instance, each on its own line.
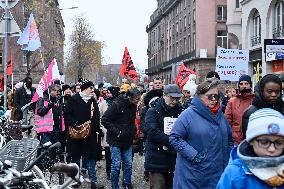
<point x="198" y="158"/>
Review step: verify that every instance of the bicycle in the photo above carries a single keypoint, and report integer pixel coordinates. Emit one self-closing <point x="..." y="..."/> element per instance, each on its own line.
<point x="15" y="179"/>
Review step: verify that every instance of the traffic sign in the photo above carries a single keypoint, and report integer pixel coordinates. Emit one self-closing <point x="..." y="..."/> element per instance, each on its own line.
<point x="11" y="3"/>
<point x="13" y="28"/>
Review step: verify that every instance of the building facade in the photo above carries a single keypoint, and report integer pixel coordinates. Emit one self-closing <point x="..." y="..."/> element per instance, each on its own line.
<point x="185" y="31"/>
<point x="51" y="30"/>
<point x="260" y="20"/>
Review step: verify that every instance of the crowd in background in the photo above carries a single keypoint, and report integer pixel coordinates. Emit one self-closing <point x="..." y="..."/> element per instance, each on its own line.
<point x="200" y="136"/>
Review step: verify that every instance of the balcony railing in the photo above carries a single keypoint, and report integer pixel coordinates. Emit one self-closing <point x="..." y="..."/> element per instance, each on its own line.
<point x="255" y="40"/>
<point x="278" y="32"/>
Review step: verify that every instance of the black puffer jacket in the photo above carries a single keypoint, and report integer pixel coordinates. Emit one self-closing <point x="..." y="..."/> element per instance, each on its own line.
<point x="160" y="156"/>
<point x="258" y="103"/>
<point x="119" y="120"/>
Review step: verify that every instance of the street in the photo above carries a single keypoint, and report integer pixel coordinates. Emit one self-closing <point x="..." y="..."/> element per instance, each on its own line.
<point x="137" y="174"/>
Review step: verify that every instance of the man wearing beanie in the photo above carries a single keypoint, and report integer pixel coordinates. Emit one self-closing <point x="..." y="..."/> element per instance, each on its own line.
<point x="237" y="105"/>
<point x="258" y="161"/>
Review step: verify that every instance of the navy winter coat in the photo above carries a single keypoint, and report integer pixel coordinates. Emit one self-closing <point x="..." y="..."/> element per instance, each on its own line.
<point x="160" y="156"/>
<point x="198" y="130"/>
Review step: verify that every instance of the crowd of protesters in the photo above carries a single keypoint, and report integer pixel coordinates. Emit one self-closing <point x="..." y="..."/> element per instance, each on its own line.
<point x="199" y="136"/>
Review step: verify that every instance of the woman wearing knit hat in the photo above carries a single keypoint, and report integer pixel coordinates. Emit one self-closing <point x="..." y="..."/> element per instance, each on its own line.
<point x="81" y="108"/>
<point x="268" y="93"/>
<point x="258" y="162"/>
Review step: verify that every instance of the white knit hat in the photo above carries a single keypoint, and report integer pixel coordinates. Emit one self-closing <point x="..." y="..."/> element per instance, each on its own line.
<point x="265" y="121"/>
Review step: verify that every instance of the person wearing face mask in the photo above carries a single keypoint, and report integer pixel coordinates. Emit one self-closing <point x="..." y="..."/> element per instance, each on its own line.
<point x="81" y="108"/>
<point x="268" y="94"/>
<point x="237" y="105"/>
<point x="258" y="161"/>
<point x="23" y="96"/>
<point x="202" y="138"/>
<point x="160" y="156"/>
<point x="119" y="120"/>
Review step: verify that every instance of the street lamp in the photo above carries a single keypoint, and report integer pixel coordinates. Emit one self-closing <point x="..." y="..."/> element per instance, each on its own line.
<point x="69" y="8"/>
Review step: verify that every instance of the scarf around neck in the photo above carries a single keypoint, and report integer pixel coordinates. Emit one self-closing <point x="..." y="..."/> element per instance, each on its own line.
<point x="268" y="169"/>
<point x="85" y="97"/>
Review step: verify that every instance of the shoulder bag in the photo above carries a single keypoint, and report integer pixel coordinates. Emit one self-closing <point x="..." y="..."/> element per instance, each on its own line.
<point x="82" y="131"/>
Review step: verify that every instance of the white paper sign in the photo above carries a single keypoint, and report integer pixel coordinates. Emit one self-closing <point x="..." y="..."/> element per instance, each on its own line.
<point x="168" y="124"/>
<point x="231" y="64"/>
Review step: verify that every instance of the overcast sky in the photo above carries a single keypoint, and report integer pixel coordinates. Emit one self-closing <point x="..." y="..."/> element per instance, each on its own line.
<point x="118" y="23"/>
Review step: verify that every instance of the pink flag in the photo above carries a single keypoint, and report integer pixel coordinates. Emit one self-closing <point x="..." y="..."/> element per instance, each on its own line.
<point x="50" y="75"/>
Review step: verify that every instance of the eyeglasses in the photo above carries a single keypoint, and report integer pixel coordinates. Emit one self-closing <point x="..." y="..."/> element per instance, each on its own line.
<point x="264" y="143"/>
<point x="174" y="98"/>
<point x="186" y="92"/>
<point x="211" y="96"/>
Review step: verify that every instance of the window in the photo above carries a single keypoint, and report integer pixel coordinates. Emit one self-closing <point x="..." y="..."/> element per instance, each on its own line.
<point x="193" y="41"/>
<point x="177" y="28"/>
<point x="184" y="22"/>
<point x="278" y="29"/>
<point x="221" y="13"/>
<point x="184" y="45"/>
<point x="222" y="39"/>
<point x="256" y="31"/>
<point x="237" y="4"/>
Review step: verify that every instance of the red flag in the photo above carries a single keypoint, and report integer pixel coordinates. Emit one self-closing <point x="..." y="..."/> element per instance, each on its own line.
<point x="9" y="65"/>
<point x="127" y="67"/>
<point x="182" y="76"/>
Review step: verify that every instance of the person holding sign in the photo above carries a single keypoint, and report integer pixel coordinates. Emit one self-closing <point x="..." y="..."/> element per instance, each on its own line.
<point x="160" y="156"/>
<point x="202" y="138"/>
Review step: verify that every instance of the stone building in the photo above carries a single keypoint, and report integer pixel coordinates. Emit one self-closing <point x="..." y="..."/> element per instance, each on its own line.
<point x="51" y="30"/>
<point x="185" y="31"/>
<point x="249" y="23"/>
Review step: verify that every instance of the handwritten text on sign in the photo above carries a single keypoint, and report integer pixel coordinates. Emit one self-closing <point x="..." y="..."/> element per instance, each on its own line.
<point x="231" y="63"/>
<point x="168" y="124"/>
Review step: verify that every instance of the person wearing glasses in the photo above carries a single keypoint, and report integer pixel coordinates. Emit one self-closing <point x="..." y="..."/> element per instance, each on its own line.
<point x="202" y="138"/>
<point x="160" y="156"/>
<point x="258" y="161"/>
<point x="237" y="105"/>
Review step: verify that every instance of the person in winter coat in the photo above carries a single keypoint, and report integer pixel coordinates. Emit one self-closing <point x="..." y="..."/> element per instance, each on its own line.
<point x="112" y="94"/>
<point x="202" y="138"/>
<point x="268" y="93"/>
<point x="22" y="97"/>
<point x="160" y="156"/>
<point x="119" y="120"/>
<point x="77" y="112"/>
<point x="189" y="90"/>
<point x="258" y="161"/>
<point x="237" y="105"/>
<point x="49" y="124"/>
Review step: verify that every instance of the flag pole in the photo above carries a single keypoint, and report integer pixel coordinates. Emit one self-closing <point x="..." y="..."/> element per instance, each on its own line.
<point x="42" y="59"/>
<point x="6" y="53"/>
<point x="12" y="81"/>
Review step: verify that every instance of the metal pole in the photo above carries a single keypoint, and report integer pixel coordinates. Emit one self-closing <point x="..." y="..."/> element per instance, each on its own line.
<point x="6" y="49"/>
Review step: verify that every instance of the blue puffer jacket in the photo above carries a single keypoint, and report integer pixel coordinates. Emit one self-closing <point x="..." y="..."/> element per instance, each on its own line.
<point x="238" y="176"/>
<point x="197" y="130"/>
<point x="158" y="158"/>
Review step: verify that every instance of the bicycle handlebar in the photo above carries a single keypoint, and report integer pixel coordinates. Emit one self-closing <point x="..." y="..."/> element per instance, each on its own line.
<point x="71" y="169"/>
